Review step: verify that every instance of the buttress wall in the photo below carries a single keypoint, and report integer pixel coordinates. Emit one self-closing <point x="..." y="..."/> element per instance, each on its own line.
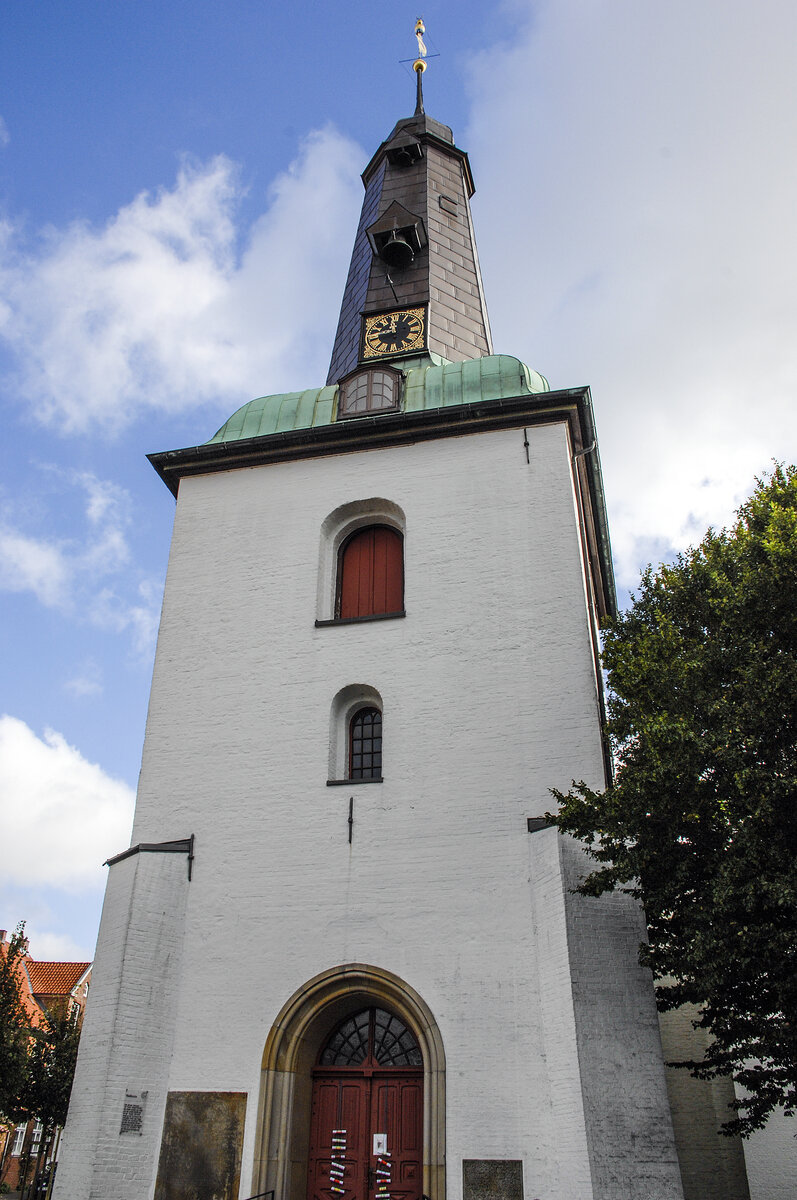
<point x="126" y="1043"/>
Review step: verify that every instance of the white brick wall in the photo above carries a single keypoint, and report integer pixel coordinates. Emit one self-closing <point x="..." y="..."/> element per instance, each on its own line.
<point x="489" y="700"/>
<point x="564" y="1133"/>
<point x="712" y="1167"/>
<point x="771" y="1159"/>
<point x="127" y="1033"/>
<point x="619" y="1046"/>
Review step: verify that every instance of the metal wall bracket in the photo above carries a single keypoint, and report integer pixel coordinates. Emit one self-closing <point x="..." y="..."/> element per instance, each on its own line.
<point x="180" y="846"/>
<point x="535" y="824"/>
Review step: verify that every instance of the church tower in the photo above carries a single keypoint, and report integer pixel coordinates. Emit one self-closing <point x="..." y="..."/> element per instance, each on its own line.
<point x="342" y="959"/>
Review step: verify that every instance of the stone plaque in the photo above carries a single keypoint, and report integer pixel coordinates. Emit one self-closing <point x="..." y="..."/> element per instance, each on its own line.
<point x="200" y="1156"/>
<point x="133" y="1113"/>
<point x="492" y="1179"/>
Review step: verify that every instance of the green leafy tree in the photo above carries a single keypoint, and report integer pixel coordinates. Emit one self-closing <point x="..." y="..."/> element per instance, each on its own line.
<point x="14" y="1028"/>
<point x="51" y="1068"/>
<point x="700" y="822"/>
<point x="37" y="1059"/>
<point x="52" y="1055"/>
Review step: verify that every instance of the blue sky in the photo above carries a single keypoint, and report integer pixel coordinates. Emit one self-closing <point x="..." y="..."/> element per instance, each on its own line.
<point x="179" y="190"/>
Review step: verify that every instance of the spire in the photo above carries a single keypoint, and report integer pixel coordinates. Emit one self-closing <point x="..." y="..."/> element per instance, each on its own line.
<point x="414" y="286"/>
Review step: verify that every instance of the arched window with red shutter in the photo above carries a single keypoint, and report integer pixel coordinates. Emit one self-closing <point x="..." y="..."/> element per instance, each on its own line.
<point x="371" y="573"/>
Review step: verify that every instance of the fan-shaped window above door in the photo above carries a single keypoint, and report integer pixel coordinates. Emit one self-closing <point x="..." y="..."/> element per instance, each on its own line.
<point x="371" y="1037"/>
<point x="371" y="573"/>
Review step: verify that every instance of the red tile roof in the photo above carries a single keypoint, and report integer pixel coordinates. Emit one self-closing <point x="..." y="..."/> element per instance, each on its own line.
<point x="54" y="978"/>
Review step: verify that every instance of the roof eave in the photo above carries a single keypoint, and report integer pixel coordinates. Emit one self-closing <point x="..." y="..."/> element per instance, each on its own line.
<point x="425" y="136"/>
<point x="573" y="405"/>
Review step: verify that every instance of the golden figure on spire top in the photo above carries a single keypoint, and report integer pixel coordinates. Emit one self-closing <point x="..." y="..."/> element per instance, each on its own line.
<point x="420" y="30"/>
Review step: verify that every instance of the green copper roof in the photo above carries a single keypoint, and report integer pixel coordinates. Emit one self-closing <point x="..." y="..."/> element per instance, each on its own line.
<point x="436" y="385"/>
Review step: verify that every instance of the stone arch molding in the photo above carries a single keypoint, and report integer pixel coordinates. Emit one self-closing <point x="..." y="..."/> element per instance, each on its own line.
<point x="292" y="1046"/>
<point x="339" y="525"/>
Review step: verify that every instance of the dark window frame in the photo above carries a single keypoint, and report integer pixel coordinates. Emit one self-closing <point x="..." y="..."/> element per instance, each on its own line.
<point x="361" y="771"/>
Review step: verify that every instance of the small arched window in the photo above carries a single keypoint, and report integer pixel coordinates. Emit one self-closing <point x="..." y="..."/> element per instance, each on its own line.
<point x="355" y="736"/>
<point x="365" y="744"/>
<point x="368" y="392"/>
<point x="371" y="573"/>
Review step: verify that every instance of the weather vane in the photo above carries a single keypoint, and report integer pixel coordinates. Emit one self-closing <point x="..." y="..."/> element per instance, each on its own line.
<point x="420" y="30"/>
<point x="419" y="66"/>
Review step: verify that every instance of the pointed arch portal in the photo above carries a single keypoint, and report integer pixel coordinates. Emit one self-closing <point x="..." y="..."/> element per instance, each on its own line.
<point x="296" y="1044"/>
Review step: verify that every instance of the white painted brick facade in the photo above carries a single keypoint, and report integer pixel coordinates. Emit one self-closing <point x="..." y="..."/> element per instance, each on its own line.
<point x="551" y="1043"/>
<point x="127" y="1033"/>
<point x="712" y="1166"/>
<point x="771" y="1159"/>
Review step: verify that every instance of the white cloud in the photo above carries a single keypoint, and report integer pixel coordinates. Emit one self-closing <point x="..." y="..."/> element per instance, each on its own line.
<point x="53" y="568"/>
<point x="73" y="574"/>
<point x="35" y="565"/>
<point x="59" y="924"/>
<point x="104" y="500"/>
<point x="138" y="617"/>
<point x="86" y="682"/>
<point x="61" y="815"/>
<point x="108" y="514"/>
<point x="156" y="310"/>
<point x="646" y="243"/>
<point x="46" y="946"/>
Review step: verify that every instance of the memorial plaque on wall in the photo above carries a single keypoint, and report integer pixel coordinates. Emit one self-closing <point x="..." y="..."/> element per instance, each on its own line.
<point x="492" y="1179"/>
<point x="200" y="1156"/>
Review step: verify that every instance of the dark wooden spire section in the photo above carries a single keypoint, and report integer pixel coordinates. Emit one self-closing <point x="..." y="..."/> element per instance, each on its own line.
<point x="420" y="172"/>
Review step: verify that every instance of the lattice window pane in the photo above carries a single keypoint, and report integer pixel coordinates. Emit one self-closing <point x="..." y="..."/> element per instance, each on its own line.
<point x="372" y="1034"/>
<point x="394" y="1045"/>
<point x="348" y="1045"/>
<point x="365" y="757"/>
<point x="382" y="389"/>
<point x="369" y="392"/>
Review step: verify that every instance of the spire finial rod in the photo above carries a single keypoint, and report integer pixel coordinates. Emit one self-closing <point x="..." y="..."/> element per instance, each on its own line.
<point x="419" y="66"/>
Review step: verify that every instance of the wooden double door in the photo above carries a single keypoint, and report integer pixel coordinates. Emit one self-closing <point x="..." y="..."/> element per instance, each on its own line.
<point x="366" y="1129"/>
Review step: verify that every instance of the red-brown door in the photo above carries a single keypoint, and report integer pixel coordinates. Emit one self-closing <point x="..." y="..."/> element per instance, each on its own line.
<point x="338" y="1105"/>
<point x="366" y="1126"/>
<point x="366" y="1136"/>
<point x="396" y="1110"/>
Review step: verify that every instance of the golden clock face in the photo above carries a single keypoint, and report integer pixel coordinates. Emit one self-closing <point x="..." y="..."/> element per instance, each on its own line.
<point x="394" y="333"/>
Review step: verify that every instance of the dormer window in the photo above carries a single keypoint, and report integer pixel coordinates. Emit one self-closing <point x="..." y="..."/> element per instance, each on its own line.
<point x="368" y="392"/>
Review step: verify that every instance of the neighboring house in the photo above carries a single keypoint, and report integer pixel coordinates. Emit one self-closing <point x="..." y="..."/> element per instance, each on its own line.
<point x="58" y="988"/>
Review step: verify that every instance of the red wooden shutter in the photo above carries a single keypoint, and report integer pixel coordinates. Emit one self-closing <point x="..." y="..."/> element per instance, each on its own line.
<point x="372" y="573"/>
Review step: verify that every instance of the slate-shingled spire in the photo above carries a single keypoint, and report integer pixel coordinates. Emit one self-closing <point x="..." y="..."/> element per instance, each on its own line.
<point x="422" y="178"/>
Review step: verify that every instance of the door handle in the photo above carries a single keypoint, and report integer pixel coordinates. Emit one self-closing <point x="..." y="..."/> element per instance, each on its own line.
<point x="371" y="1178"/>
